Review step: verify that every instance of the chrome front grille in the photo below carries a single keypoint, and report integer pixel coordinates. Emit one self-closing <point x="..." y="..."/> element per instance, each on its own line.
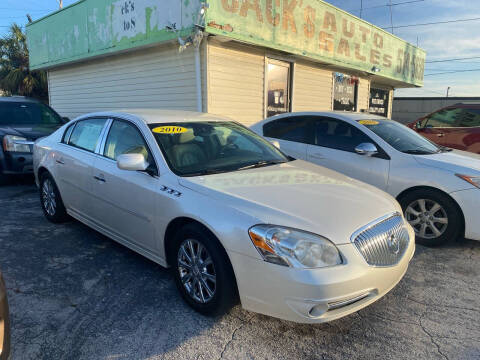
<point x="384" y="242"/>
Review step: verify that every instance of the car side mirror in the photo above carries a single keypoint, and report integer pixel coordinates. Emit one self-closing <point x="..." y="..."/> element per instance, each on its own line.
<point x="367" y="149"/>
<point x="132" y="162"/>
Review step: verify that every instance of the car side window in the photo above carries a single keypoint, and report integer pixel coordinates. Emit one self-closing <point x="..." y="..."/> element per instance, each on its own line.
<point x="443" y="118"/>
<point x="68" y="133"/>
<point x="339" y="135"/>
<point x="125" y="138"/>
<point x="470" y="118"/>
<point x="296" y="128"/>
<point x="86" y="134"/>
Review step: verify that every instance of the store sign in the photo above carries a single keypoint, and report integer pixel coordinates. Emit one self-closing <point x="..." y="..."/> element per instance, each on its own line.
<point x="379" y="102"/>
<point x="316" y="29"/>
<point x="96" y="27"/>
<point x="344" y="92"/>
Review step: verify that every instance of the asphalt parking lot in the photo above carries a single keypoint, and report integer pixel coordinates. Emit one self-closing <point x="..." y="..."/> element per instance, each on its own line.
<point x="75" y="294"/>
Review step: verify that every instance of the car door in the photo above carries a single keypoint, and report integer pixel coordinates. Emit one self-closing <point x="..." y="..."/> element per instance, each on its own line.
<point x="334" y="148"/>
<point x="293" y="134"/>
<point x="436" y="126"/>
<point x="125" y="200"/>
<point x="73" y="163"/>
<point x="466" y="133"/>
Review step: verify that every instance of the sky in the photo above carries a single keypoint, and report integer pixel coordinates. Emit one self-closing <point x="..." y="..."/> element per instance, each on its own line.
<point x="441" y="41"/>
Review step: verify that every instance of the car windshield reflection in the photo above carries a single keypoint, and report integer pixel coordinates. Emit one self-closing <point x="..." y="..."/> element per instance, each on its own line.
<point x="210" y="147"/>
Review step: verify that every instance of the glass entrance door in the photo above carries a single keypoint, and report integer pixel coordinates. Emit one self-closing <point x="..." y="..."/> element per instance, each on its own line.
<point x="278" y="87"/>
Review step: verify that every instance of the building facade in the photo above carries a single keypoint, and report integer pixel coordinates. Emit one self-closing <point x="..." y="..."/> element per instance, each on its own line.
<point x="246" y="59"/>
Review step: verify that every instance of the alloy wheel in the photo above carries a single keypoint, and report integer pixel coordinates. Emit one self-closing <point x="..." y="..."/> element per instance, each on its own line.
<point x="49" y="198"/>
<point x="197" y="272"/>
<point x="427" y="217"/>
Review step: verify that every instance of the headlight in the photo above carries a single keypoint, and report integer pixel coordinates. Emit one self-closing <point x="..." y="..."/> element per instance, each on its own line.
<point x="294" y="248"/>
<point x="12" y="143"/>
<point x="474" y="180"/>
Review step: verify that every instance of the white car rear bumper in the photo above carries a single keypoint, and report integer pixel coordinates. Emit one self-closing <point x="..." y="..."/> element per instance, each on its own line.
<point x="469" y="202"/>
<point x="318" y="295"/>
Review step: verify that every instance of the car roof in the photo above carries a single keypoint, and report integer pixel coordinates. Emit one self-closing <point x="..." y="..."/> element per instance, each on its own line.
<point x="22" y="99"/>
<point x="156" y="116"/>
<point x="343" y="115"/>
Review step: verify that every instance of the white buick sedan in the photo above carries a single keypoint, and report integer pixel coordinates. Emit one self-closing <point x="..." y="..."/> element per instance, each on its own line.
<point x="233" y="216"/>
<point x="437" y="187"/>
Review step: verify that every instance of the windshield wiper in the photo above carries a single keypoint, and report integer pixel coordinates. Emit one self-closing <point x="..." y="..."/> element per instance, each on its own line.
<point x="445" y="149"/>
<point x="418" y="152"/>
<point x="260" y="164"/>
<point x="205" y="172"/>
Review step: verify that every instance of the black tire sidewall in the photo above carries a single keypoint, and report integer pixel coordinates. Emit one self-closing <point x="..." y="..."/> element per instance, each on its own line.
<point x="454" y="227"/>
<point x="60" y="211"/>
<point x="225" y="293"/>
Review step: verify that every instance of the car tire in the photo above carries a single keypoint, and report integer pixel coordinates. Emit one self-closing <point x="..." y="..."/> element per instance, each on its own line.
<point x="205" y="280"/>
<point x="51" y="201"/>
<point x="429" y="209"/>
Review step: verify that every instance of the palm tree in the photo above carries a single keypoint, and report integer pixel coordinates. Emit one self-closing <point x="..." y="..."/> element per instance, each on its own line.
<point x="15" y="75"/>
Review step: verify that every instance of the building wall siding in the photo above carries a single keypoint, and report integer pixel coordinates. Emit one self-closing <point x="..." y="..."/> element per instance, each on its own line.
<point x="159" y="77"/>
<point x="236" y="81"/>
<point x="312" y="87"/>
<point x="363" y="94"/>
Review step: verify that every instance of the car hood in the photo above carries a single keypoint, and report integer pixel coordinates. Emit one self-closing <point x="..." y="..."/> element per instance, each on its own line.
<point x="300" y="195"/>
<point x="456" y="161"/>
<point x="31" y="132"/>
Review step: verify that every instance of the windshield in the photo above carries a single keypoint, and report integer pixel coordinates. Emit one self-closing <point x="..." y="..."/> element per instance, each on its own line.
<point x="202" y="148"/>
<point x="24" y="113"/>
<point x="401" y="137"/>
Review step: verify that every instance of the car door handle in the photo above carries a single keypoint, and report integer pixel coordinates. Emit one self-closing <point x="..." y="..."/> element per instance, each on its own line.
<point x="100" y="178"/>
<point x="440" y="134"/>
<point x="60" y="162"/>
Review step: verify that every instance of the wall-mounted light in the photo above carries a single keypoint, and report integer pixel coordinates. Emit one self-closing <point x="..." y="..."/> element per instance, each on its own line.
<point x="376" y="69"/>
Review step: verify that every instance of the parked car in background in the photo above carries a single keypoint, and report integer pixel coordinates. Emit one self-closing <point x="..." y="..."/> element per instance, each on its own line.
<point x="4" y="322"/>
<point x="22" y="121"/>
<point x="456" y="126"/>
<point x="438" y="188"/>
<point x="228" y="211"/>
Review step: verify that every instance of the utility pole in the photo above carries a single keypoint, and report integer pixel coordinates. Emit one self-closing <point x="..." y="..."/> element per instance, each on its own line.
<point x="390" y="5"/>
<point x="60" y="3"/>
<point x="361" y="8"/>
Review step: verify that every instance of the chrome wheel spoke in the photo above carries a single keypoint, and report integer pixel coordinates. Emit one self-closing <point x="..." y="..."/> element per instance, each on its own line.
<point x="422" y="230"/>
<point x="196" y="270"/>
<point x="434" y="208"/>
<point x="184" y="253"/>
<point x="184" y="264"/>
<point x="186" y="278"/>
<point x="206" y="287"/>
<point x="412" y="211"/>
<point x="421" y="204"/>
<point x="435" y="230"/>
<point x="207" y="276"/>
<point x="440" y="220"/>
<point x="414" y="222"/>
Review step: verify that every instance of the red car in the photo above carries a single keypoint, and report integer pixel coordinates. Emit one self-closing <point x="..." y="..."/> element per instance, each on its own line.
<point x="456" y="126"/>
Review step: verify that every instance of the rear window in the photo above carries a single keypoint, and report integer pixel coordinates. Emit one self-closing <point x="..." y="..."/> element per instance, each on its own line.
<point x="18" y="113"/>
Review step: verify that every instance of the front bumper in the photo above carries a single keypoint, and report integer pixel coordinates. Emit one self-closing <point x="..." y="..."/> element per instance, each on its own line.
<point x="17" y="163"/>
<point x="316" y="295"/>
<point x="4" y="323"/>
<point x="469" y="202"/>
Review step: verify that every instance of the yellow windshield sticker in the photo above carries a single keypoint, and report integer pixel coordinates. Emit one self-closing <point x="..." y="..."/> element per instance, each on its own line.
<point x="368" y="122"/>
<point x="169" y="130"/>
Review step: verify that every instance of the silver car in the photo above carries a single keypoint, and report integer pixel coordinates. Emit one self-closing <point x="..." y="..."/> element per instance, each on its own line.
<point x="235" y="217"/>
